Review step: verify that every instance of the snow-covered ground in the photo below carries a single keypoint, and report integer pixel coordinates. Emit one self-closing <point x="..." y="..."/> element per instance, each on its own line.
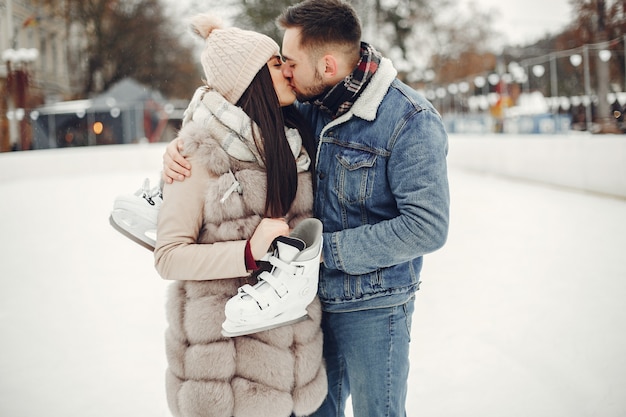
<point x="522" y="313"/>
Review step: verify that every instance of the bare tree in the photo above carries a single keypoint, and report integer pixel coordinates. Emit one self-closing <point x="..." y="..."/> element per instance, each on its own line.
<point x="131" y="38"/>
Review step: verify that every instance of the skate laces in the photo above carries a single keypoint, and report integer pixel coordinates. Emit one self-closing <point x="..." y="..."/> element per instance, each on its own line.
<point x="149" y="194"/>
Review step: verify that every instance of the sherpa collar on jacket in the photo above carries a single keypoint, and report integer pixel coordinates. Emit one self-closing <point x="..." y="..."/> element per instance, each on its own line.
<point x="367" y="104"/>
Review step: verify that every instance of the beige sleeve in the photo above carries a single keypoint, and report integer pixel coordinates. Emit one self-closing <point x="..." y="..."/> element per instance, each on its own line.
<point x="177" y="254"/>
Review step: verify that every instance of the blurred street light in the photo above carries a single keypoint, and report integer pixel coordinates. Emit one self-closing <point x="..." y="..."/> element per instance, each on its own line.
<point x="539" y="70"/>
<point x="604" y="55"/>
<point x="575" y="60"/>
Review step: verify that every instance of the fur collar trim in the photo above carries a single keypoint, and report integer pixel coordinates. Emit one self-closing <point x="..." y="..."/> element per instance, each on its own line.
<point x="366" y="106"/>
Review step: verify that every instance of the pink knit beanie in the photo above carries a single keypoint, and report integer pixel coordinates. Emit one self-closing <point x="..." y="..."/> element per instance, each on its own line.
<point x="231" y="57"/>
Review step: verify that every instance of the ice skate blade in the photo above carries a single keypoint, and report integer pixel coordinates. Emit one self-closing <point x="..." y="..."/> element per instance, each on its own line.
<point x="144" y="241"/>
<point x="230" y="329"/>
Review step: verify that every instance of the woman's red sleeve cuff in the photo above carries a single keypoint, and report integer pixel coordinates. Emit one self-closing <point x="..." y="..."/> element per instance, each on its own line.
<point x="251" y="264"/>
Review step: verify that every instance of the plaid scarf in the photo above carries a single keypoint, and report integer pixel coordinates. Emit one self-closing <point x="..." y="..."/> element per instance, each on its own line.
<point x="342" y="96"/>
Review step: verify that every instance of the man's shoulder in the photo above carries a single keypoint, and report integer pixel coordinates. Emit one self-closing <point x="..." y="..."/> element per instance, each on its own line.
<point x="400" y="92"/>
<point x="401" y="102"/>
<point x="388" y="91"/>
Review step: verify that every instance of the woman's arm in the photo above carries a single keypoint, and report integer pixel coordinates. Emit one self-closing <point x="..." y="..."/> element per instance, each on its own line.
<point x="177" y="254"/>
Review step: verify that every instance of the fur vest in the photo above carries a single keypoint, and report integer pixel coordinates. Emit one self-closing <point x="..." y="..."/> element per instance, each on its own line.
<point x="275" y="373"/>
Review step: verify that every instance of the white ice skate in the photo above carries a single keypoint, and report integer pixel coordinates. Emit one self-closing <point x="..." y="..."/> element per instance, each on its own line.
<point x="135" y="215"/>
<point x="282" y="295"/>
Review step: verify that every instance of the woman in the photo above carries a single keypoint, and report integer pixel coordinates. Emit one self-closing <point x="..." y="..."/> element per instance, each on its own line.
<point x="251" y="183"/>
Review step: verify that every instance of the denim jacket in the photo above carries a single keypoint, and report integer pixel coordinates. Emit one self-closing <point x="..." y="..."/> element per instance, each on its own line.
<point x="382" y="194"/>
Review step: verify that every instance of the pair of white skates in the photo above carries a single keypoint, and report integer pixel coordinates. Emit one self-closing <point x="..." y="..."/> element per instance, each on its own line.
<point x="279" y="297"/>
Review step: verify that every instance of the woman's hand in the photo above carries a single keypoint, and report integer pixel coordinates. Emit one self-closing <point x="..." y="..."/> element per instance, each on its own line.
<point x="175" y="166"/>
<point x="264" y="235"/>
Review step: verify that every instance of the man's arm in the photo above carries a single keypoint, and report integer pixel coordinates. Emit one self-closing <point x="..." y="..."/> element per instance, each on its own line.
<point x="417" y="177"/>
<point x="175" y="166"/>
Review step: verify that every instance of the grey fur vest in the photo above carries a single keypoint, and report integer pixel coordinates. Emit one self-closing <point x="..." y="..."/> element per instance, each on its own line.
<point x="270" y="374"/>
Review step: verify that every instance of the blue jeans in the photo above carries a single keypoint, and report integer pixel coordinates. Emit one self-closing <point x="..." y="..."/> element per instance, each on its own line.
<point x="367" y="356"/>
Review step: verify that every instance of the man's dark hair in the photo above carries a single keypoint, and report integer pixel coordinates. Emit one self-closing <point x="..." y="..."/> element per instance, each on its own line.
<point x="323" y="22"/>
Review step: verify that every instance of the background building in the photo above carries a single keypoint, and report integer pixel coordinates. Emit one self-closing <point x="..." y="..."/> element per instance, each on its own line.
<point x="128" y="112"/>
<point x="35" y="69"/>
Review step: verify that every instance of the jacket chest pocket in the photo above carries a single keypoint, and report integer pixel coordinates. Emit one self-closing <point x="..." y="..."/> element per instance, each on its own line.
<point x="355" y="175"/>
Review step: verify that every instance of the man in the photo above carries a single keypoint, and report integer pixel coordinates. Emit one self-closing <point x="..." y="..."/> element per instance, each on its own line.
<point x="381" y="193"/>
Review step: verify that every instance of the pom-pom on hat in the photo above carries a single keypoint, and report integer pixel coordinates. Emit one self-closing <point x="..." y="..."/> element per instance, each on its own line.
<point x="231" y="57"/>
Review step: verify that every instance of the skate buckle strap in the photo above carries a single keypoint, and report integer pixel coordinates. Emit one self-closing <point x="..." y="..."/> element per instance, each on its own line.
<point x="274" y="280"/>
<point x="256" y="295"/>
<point x="277" y="285"/>
<point x="282" y="265"/>
<point x="280" y="288"/>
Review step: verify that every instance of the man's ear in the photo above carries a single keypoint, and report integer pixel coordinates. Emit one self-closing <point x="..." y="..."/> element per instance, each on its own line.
<point x="329" y="66"/>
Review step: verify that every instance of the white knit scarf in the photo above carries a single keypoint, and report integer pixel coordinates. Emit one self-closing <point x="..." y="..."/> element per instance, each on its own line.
<point x="232" y="128"/>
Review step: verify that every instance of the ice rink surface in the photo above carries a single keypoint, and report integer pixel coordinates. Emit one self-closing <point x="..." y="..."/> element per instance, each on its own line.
<point x="522" y="313"/>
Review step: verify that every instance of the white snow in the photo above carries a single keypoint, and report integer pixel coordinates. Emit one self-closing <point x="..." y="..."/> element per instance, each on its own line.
<point x="521" y="314"/>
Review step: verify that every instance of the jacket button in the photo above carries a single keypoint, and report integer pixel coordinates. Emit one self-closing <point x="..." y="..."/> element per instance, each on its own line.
<point x="321" y="175"/>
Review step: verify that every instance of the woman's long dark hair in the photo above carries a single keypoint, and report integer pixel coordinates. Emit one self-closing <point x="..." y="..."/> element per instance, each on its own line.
<point x="260" y="102"/>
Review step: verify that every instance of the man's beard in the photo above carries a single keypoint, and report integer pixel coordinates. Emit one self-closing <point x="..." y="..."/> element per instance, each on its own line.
<point x="318" y="89"/>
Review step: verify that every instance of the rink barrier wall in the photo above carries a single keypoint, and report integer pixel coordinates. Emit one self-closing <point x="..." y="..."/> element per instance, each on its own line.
<point x="590" y="163"/>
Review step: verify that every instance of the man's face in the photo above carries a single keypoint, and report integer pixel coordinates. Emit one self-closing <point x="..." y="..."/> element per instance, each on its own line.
<point x="299" y="68"/>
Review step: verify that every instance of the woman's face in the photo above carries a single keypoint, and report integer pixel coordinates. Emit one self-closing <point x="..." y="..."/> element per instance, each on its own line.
<point x="285" y="93"/>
